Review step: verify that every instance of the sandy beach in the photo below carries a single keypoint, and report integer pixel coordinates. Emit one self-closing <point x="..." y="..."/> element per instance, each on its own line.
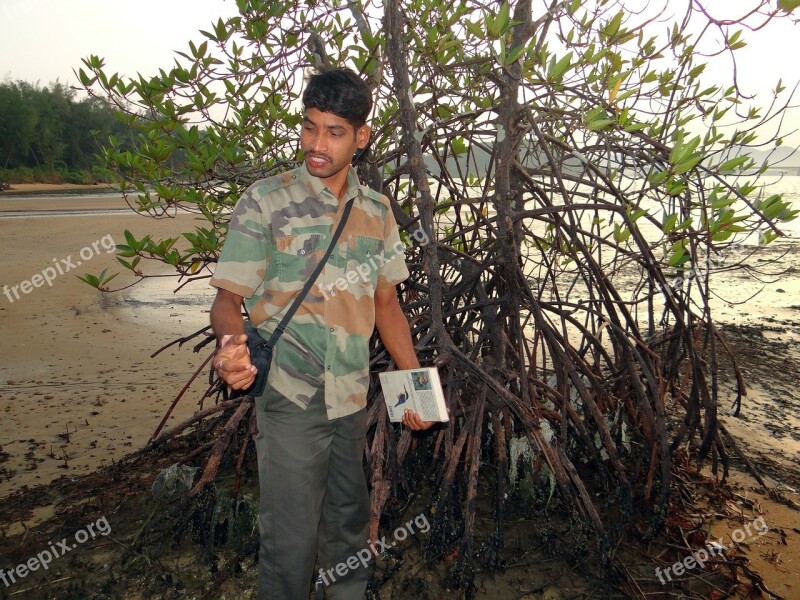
<point x="78" y="388"/>
<point x="55" y="188"/>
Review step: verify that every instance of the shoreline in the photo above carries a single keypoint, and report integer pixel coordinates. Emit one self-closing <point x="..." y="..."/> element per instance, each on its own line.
<point x="36" y="199"/>
<point x="49" y="188"/>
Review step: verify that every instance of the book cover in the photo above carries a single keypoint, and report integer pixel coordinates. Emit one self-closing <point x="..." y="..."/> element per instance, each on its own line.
<point x="417" y="389"/>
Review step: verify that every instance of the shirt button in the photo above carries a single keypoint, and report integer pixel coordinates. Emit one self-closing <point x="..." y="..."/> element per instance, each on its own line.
<point x="332" y="330"/>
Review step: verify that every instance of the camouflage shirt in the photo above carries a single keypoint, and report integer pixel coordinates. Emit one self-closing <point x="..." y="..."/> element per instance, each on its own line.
<point x="279" y="230"/>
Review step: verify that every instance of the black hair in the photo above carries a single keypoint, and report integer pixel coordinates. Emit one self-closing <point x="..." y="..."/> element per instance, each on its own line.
<point x="341" y="92"/>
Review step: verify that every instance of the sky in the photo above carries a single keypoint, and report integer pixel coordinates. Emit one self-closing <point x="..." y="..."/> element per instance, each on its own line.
<point x="44" y="40"/>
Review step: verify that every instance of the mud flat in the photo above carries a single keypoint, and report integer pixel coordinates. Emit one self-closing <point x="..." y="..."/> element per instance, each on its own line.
<point x="78" y="388"/>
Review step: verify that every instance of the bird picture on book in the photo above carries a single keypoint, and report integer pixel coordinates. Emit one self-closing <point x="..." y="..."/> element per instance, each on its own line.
<point x="402" y="397"/>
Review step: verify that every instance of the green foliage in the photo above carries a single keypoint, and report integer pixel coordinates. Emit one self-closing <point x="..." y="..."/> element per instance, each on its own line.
<point x="46" y="135"/>
<point x="226" y="113"/>
<point x="100" y="281"/>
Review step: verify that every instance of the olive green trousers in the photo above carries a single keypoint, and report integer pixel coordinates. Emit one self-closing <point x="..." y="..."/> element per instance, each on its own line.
<point x="314" y="504"/>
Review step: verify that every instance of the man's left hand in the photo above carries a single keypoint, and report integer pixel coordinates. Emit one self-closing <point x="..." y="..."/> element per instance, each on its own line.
<point x="412" y="421"/>
<point x="233" y="365"/>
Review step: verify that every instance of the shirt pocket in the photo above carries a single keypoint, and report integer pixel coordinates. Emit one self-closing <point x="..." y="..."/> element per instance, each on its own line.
<point x="364" y="259"/>
<point x="296" y="256"/>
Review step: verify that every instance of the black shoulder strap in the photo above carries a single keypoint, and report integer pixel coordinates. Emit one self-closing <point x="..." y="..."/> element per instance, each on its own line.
<point x="311" y="279"/>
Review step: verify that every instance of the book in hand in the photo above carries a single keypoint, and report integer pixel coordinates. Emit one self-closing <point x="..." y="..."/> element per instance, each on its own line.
<point x="417" y="389"/>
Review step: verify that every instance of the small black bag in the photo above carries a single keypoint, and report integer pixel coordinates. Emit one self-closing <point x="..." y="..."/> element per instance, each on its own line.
<point x="260" y="356"/>
<point x="261" y="349"/>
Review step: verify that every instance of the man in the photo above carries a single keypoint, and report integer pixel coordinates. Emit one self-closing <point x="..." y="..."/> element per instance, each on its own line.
<point x="311" y="417"/>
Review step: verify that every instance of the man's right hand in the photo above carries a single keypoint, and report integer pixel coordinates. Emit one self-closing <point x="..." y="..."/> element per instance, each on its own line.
<point x="233" y="365"/>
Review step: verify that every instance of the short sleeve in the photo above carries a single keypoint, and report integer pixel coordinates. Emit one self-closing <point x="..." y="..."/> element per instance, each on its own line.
<point x="243" y="260"/>
<point x="394" y="269"/>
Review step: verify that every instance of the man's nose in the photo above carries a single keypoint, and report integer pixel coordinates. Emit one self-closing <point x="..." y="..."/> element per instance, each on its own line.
<point x="318" y="143"/>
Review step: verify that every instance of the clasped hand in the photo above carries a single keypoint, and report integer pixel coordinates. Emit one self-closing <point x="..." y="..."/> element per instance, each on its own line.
<point x="232" y="363"/>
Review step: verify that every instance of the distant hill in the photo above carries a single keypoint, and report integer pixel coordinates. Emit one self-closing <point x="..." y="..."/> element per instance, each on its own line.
<point x="782" y="156"/>
<point x="781" y="159"/>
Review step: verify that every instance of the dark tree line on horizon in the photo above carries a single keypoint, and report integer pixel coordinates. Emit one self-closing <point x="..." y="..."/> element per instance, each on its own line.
<point x="47" y="134"/>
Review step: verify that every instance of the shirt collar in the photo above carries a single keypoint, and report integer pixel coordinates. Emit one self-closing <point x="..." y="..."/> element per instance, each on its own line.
<point x="317" y="187"/>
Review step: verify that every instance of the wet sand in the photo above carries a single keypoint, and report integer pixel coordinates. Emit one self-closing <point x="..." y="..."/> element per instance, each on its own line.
<point x="33" y="198"/>
<point x="78" y="388"/>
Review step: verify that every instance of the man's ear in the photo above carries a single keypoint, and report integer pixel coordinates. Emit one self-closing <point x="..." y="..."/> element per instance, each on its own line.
<point x="362" y="136"/>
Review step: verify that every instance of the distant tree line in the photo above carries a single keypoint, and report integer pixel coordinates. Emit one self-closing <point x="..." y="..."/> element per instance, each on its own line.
<point x="47" y="135"/>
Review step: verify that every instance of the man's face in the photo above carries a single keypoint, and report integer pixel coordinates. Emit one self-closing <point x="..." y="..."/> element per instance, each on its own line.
<point x="329" y="143"/>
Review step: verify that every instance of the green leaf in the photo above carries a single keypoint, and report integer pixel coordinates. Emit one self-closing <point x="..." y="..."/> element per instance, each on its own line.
<point x="676" y="187"/>
<point x="635" y="126"/>
<point x="514" y="55"/>
<point x="458" y="146"/>
<point x="722" y="203"/>
<point x="130" y="239"/>
<point x="767" y="237"/>
<point x="688" y="164"/>
<point x="90" y="279"/>
<point x="503" y="20"/>
<point x="679" y="256"/>
<point x="732" y="164"/>
<point x="126" y="251"/>
<point x="612" y="27"/>
<point x="722" y="235"/>
<point x="683" y="150"/>
<point x="86" y="81"/>
<point x="556" y="70"/>
<point x="734" y="41"/>
<point x="669" y="223"/>
<point x="788" y="5"/>
<point x="474" y="29"/>
<point x="637" y="214"/>
<point x="599" y="124"/>
<point x="764" y="204"/>
<point x="774" y="209"/>
<point x="621" y="233"/>
<point x="656" y="178"/>
<point x="105" y="280"/>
